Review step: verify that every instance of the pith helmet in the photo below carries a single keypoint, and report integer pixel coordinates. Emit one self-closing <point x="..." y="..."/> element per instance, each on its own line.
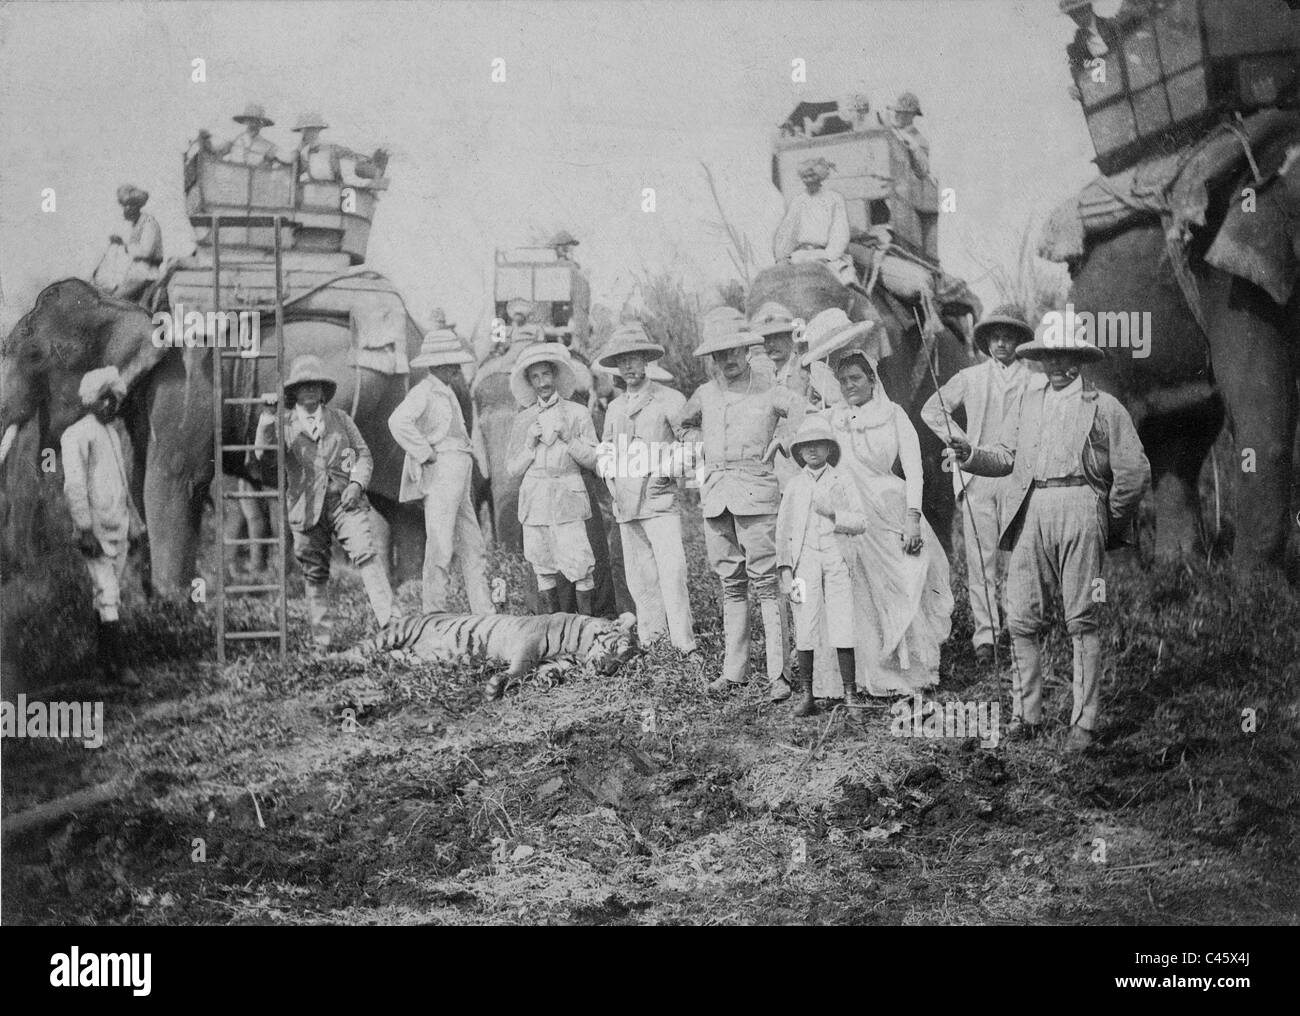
<point x="309" y="120"/>
<point x="907" y="102"/>
<point x="309" y="369"/>
<point x="629" y="338"/>
<point x="254" y="113"/>
<point x="441" y="347"/>
<point x="815" y="427"/>
<point x="1008" y="315"/>
<point x="562" y="239"/>
<point x="1050" y="340"/>
<point x="543" y="352"/>
<point x="772" y="319"/>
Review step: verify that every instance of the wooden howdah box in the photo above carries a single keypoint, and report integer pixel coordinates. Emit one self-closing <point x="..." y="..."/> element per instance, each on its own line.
<point x="1173" y="67"/>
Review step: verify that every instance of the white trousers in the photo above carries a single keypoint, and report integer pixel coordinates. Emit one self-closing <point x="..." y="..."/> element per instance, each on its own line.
<point x="655" y="564"/>
<point x="451" y="533"/>
<point x="106" y="572"/>
<point x="826" y="590"/>
<point x="984" y="606"/>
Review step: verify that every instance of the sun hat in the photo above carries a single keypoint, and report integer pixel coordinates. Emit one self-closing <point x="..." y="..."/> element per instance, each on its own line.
<point x="543" y="352"/>
<point x="562" y="239"/>
<point x="815" y="427"/>
<point x="1008" y="314"/>
<point x="1050" y="339"/>
<point x="441" y="347"/>
<point x="254" y="113"/>
<point x="309" y="120"/>
<point x="773" y="318"/>
<point x="309" y="369"/>
<point x="829" y="332"/>
<point x="96" y="382"/>
<point x="724" y="328"/>
<point x="628" y="338"/>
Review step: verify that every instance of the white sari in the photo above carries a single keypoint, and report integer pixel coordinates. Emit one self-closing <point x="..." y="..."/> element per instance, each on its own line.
<point x="902" y="602"/>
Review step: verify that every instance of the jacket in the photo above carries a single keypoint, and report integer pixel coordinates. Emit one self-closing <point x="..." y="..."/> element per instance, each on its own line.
<point x="553" y="490"/>
<point x="989" y="398"/>
<point x="426" y="424"/>
<point x="644" y="417"/>
<point x="95" y="482"/>
<point x="1111" y="460"/>
<point x="313" y="468"/>
<point x="737" y="435"/>
<point x="798" y="508"/>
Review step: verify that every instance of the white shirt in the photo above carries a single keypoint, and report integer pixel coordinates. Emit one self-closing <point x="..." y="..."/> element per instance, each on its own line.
<point x="1056" y="459"/>
<point x="311" y="422"/>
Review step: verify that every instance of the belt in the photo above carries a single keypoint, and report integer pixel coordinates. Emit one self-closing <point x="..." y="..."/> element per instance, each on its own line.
<point x="1062" y="481"/>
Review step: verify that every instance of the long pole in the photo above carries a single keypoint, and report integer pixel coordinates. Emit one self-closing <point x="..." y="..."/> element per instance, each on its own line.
<point x="947" y="422"/>
<point x="219" y="501"/>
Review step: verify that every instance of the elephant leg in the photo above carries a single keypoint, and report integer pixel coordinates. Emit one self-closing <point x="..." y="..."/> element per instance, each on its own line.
<point x="1249" y="338"/>
<point x="1176" y="445"/>
<point x="173" y="511"/>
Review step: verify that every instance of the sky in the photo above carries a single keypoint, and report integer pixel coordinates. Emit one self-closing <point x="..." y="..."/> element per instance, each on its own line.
<point x="601" y="100"/>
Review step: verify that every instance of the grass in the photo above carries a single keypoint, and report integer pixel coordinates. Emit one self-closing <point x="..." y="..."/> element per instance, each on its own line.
<point x="568" y="805"/>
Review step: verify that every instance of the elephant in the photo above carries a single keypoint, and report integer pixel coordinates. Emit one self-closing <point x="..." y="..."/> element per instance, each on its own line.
<point x="494" y="414"/>
<point x="808" y="288"/>
<point x="167" y="412"/>
<point x="1242" y="362"/>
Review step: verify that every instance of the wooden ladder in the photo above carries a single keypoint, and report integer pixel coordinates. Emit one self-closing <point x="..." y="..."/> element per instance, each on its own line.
<point x="220" y="494"/>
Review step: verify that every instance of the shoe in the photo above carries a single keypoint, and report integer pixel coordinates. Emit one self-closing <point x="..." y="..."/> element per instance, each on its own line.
<point x="781" y="690"/>
<point x="855" y="709"/>
<point x="984" y="655"/>
<point x="1019" y="730"/>
<point x="723" y="686"/>
<point x="1080" y="740"/>
<point x="113" y="650"/>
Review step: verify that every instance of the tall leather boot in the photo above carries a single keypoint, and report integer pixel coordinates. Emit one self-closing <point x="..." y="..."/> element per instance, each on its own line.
<point x="586" y="600"/>
<point x="1026" y="687"/>
<point x="374" y="576"/>
<point x="776" y="640"/>
<point x="548" y="601"/>
<point x="318" y="610"/>
<point x="855" y="707"/>
<point x="735" y="628"/>
<point x="1087" y="690"/>
<point x="805" y="704"/>
<point x="114" y="646"/>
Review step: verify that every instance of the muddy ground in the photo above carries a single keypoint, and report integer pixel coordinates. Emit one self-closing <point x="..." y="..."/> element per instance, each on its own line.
<point x="251" y="796"/>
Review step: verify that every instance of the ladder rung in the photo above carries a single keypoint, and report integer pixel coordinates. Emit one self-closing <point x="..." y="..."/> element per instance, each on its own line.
<point x="225" y="355"/>
<point x="244" y="400"/>
<point x="244" y="541"/>
<point x="248" y="447"/>
<point x="264" y="587"/>
<point x="251" y="493"/>
<point x="275" y="634"/>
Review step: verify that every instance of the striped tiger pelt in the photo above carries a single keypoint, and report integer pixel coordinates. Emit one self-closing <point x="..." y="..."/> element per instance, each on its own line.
<point x="523" y="642"/>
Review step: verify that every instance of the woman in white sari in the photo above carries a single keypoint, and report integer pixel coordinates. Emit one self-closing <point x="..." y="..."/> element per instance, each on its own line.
<point x="901" y="594"/>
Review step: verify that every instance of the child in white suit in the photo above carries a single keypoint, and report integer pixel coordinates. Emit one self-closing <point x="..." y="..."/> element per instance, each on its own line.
<point x="819" y="509"/>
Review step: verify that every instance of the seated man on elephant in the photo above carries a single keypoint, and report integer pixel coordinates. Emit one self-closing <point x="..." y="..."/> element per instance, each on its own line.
<point x="141" y="247"/>
<point x="327" y="469"/>
<point x="816" y="224"/>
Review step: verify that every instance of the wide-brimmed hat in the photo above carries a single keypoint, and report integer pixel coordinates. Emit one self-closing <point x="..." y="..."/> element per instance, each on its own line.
<point x="309" y="369"/>
<point x="441" y="347"/>
<point x="815" y="427"/>
<point x="773" y="318"/>
<point x="254" y="113"/>
<point x="829" y="332"/>
<point x="1008" y="315"/>
<point x="653" y="372"/>
<point x="562" y="239"/>
<point x="544" y="352"/>
<point x="724" y="328"/>
<point x="131" y="195"/>
<point x="519" y="305"/>
<point x="629" y="338"/>
<point x="309" y="120"/>
<point x="1050" y="339"/>
<point x="97" y="382"/>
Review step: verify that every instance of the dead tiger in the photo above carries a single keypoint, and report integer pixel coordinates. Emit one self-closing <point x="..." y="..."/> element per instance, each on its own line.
<point x="523" y="642"/>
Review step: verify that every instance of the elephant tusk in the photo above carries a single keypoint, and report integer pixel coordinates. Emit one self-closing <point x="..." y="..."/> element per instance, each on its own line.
<point x="6" y="442"/>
